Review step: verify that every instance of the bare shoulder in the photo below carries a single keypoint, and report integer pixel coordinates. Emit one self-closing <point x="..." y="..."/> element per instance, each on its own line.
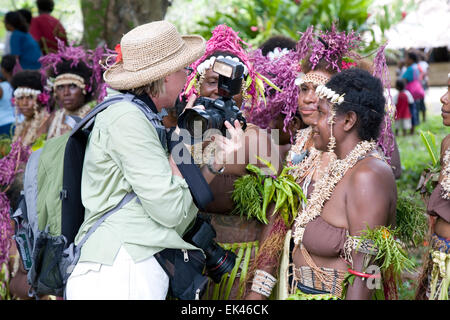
<point x="373" y="194"/>
<point x="372" y="171"/>
<point x="445" y="144"/>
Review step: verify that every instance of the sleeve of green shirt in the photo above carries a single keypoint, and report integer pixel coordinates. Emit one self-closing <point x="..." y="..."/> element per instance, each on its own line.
<point x="136" y="148"/>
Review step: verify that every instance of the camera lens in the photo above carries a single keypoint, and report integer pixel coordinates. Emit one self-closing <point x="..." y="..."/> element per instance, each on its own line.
<point x="195" y="120"/>
<point x="219" y="261"/>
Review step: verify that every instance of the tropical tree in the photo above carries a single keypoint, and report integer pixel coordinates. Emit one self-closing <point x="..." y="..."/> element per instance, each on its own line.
<point x="257" y="20"/>
<point x="106" y="21"/>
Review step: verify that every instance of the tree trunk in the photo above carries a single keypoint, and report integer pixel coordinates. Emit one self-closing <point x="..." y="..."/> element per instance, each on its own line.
<point x="106" y="21"/>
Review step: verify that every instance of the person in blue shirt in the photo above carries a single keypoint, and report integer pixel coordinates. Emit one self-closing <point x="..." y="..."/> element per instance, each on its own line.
<point x="6" y="91"/>
<point x="21" y="42"/>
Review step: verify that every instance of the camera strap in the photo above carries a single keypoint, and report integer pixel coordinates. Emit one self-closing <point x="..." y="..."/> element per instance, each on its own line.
<point x="200" y="191"/>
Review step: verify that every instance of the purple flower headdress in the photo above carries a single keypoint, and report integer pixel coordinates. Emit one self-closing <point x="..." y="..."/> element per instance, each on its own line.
<point x="225" y="39"/>
<point x="76" y="54"/>
<point x="282" y="71"/>
<point x="331" y="46"/>
<point x="386" y="140"/>
<point x="338" y="49"/>
<point x="8" y="170"/>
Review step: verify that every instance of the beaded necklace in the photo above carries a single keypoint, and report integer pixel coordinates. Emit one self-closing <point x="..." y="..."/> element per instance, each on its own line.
<point x="325" y="186"/>
<point x="445" y="183"/>
<point x="29" y="128"/>
<point x="59" y="126"/>
<point x="308" y="165"/>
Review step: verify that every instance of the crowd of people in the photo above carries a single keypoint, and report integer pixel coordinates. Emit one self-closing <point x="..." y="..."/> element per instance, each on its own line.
<point x="317" y="118"/>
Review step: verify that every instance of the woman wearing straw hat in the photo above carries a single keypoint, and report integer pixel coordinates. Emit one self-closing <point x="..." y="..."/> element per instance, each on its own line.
<point x="124" y="154"/>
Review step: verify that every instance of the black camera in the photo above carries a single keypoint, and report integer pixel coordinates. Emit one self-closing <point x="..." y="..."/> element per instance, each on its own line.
<point x="218" y="260"/>
<point x="217" y="111"/>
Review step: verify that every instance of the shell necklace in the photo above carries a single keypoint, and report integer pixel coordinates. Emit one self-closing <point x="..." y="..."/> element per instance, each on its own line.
<point x="445" y="183"/>
<point x="326" y="184"/>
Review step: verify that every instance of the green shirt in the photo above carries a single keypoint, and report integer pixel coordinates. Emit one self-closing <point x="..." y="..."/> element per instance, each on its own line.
<point x="124" y="154"/>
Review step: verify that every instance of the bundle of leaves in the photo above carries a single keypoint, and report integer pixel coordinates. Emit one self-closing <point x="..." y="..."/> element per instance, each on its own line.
<point x="412" y="223"/>
<point x="254" y="192"/>
<point x="390" y="251"/>
<point x="247" y="196"/>
<point x="391" y="258"/>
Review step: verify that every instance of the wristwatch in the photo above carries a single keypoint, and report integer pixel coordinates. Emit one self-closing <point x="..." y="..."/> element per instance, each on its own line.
<point x="211" y="168"/>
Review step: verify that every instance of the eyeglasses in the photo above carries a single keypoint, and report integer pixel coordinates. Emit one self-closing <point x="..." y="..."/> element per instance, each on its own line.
<point x="188" y="70"/>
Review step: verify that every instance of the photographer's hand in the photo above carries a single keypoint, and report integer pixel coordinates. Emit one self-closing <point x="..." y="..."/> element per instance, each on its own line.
<point x="226" y="149"/>
<point x="189" y="105"/>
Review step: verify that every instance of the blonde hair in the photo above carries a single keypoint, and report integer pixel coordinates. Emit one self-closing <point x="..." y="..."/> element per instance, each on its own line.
<point x="153" y="89"/>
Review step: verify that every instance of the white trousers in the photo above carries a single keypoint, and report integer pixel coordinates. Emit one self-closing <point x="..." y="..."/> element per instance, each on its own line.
<point x="124" y="280"/>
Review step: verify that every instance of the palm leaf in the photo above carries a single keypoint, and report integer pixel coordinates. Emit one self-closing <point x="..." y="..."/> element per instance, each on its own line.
<point x="430" y="145"/>
<point x="268" y="164"/>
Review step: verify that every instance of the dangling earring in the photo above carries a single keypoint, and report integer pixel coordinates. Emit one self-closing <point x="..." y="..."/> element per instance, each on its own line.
<point x="332" y="141"/>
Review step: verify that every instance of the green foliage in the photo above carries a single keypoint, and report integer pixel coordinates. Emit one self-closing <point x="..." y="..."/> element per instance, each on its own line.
<point x="390" y="252"/>
<point x="5" y="145"/>
<point x="246" y="196"/>
<point x="415" y="159"/>
<point x="4" y="282"/>
<point x="22" y="4"/>
<point x="429" y="140"/>
<point x="93" y="30"/>
<point x="414" y="154"/>
<point x="40" y="142"/>
<point x="253" y="194"/>
<point x="412" y="224"/>
<point x="257" y="20"/>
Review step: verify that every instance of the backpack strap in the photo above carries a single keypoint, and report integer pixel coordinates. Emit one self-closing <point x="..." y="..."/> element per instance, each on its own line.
<point x="155" y="118"/>
<point x="73" y="251"/>
<point x="128" y="197"/>
<point x="199" y="188"/>
<point x="30" y="190"/>
<point x="89" y="119"/>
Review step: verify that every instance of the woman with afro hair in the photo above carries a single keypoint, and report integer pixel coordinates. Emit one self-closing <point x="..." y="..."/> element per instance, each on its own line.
<point x="73" y="80"/>
<point x="30" y="101"/>
<point x="71" y="97"/>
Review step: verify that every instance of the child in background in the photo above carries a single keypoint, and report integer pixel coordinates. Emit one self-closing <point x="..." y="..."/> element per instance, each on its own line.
<point x="403" y="100"/>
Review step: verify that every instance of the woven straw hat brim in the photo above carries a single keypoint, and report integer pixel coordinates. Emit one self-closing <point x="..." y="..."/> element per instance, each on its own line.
<point x="119" y="78"/>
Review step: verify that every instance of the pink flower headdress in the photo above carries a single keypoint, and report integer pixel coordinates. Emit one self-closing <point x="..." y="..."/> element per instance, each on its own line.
<point x="9" y="167"/>
<point x="339" y="50"/>
<point x="281" y="69"/>
<point x="225" y="39"/>
<point x="76" y="54"/>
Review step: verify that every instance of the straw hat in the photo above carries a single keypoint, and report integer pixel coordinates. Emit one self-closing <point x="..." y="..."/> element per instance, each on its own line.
<point x="151" y="52"/>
